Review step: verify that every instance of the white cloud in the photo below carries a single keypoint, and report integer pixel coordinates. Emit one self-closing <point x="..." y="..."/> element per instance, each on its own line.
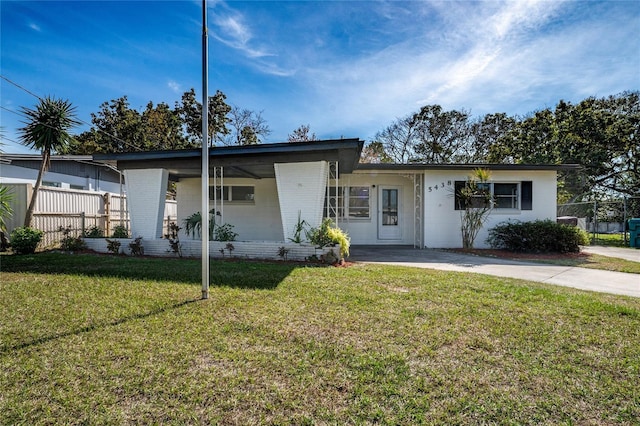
<point x="509" y="57"/>
<point x="175" y="87"/>
<point x="234" y="32"/>
<point x="35" y="27"/>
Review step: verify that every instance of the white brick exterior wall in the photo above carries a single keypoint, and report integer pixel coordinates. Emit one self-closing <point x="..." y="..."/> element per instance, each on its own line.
<point x="147" y="191"/>
<point x="242" y="249"/>
<point x="301" y="188"/>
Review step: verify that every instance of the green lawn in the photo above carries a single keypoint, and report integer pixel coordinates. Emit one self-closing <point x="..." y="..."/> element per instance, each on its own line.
<point x="116" y="340"/>
<point x="595" y="261"/>
<point x="616" y="240"/>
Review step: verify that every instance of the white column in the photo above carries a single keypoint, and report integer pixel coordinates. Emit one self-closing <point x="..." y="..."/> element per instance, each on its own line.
<point x="301" y="188"/>
<point x="146" y="194"/>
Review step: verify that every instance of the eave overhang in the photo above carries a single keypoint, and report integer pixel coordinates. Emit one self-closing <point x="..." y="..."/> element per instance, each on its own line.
<point x="420" y="167"/>
<point x="250" y="161"/>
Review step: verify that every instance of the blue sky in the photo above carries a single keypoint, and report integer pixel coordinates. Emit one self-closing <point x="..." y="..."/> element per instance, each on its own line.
<point x="346" y="68"/>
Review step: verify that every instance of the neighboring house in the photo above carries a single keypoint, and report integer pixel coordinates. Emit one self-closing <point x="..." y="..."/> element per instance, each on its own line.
<point x="65" y="171"/>
<point x="262" y="190"/>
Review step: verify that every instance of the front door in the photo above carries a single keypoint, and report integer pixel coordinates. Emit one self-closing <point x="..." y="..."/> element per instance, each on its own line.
<point x="389" y="226"/>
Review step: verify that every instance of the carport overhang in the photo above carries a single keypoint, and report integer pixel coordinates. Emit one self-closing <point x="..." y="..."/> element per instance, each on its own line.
<point x="249" y="161"/>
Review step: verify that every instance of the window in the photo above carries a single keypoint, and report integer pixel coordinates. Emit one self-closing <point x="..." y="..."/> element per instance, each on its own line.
<point x="239" y="194"/>
<point x="509" y="195"/>
<point x="351" y="202"/>
<point x="359" y="202"/>
<point x="53" y="184"/>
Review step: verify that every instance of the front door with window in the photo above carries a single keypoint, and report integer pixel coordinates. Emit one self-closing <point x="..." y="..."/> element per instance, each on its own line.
<point x="389" y="226"/>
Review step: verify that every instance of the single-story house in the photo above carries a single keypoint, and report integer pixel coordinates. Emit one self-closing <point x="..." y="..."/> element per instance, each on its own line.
<point x="78" y="172"/>
<point x="263" y="190"/>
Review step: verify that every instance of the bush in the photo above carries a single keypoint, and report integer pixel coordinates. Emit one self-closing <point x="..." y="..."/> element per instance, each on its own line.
<point x="540" y="236"/>
<point x="70" y="243"/>
<point x="24" y="240"/>
<point x="120" y="232"/>
<point x="93" y="232"/>
<point x="224" y="233"/>
<point x="113" y="246"/>
<point x="329" y="235"/>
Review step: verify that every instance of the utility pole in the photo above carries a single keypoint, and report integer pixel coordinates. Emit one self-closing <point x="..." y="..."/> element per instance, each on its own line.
<point x="204" y="215"/>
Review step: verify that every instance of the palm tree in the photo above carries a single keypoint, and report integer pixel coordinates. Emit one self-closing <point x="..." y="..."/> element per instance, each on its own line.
<point x="47" y="131"/>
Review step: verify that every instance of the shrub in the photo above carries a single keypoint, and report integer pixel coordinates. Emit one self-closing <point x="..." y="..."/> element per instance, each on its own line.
<point x="93" y="232"/>
<point x="70" y="243"/>
<point x="120" y="232"/>
<point x="136" y="247"/>
<point x="540" y="236"/>
<point x="24" y="240"/>
<point x="113" y="246"/>
<point x="327" y="234"/>
<point x="224" y="233"/>
<point x="174" y="239"/>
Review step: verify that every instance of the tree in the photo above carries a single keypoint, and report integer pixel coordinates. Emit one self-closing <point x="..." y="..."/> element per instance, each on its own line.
<point x="116" y="128"/>
<point x="475" y="203"/>
<point x="190" y="112"/>
<point x="162" y="128"/>
<point x="601" y="135"/>
<point x="46" y="130"/>
<point x="430" y="135"/>
<point x="484" y="133"/>
<point x="374" y="153"/>
<point x="247" y="127"/>
<point x="119" y="128"/>
<point x="441" y="135"/>
<point x="301" y="134"/>
<point x="399" y="140"/>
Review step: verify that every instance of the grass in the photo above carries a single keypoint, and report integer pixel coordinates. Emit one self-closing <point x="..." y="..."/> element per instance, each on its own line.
<point x="595" y="261"/>
<point x="115" y="340"/>
<point x="582" y="260"/>
<point x="615" y="240"/>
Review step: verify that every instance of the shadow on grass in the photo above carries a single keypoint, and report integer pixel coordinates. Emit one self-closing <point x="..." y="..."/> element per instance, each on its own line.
<point x="93" y="327"/>
<point x="234" y="274"/>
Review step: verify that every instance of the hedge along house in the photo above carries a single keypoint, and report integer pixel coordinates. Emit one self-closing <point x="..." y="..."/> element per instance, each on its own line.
<point x="263" y="190"/>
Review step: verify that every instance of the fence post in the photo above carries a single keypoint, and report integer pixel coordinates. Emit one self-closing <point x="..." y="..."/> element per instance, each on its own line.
<point x="107" y="212"/>
<point x="82" y="222"/>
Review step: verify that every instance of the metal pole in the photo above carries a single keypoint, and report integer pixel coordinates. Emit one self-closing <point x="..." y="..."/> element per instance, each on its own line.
<point x="205" y="156"/>
<point x="624" y="220"/>
<point x="595" y="221"/>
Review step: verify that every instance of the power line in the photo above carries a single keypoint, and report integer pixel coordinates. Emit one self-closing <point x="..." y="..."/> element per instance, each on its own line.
<point x="117" y="139"/>
<point x="20" y="87"/>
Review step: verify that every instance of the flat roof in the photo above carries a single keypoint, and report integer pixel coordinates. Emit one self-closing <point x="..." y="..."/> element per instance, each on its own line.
<point x="464" y="166"/>
<point x="256" y="161"/>
<point x="251" y="161"/>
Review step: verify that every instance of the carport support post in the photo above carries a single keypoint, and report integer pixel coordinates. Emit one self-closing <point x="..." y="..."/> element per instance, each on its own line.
<point x="205" y="157"/>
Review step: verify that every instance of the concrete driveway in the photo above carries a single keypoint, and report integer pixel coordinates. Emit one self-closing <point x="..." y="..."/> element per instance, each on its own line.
<point x="581" y="278"/>
<point x="631" y="254"/>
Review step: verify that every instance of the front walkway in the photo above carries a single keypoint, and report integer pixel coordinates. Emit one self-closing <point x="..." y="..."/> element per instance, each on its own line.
<point x="567" y="276"/>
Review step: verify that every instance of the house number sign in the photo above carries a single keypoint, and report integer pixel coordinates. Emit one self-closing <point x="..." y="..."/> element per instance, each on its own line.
<point x="436" y="186"/>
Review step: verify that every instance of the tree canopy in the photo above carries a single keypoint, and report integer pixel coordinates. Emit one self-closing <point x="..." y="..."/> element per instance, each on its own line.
<point x="117" y="127"/>
<point x="600" y="134"/>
